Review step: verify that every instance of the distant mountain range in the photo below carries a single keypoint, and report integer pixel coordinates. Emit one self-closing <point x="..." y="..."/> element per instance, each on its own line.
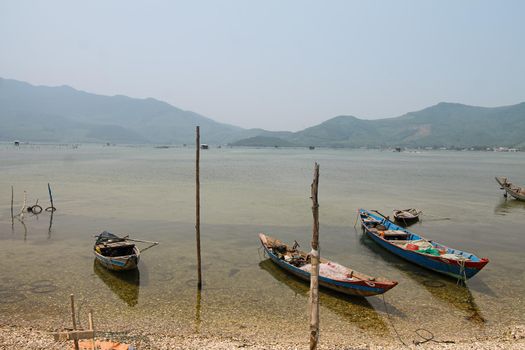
<point x="63" y="114"/>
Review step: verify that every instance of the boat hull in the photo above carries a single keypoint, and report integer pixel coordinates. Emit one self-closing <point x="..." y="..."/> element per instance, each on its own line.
<point x="360" y="288"/>
<point x="515" y="195"/>
<point x="406" y="221"/>
<point x="119" y="263"/>
<point x="450" y="267"/>
<point x="510" y="189"/>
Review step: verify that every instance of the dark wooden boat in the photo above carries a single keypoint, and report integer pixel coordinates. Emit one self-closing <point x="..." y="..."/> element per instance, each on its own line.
<point x="331" y="274"/>
<point x="406" y="216"/>
<point x="418" y="250"/>
<point x="116" y="253"/>
<point x="515" y="191"/>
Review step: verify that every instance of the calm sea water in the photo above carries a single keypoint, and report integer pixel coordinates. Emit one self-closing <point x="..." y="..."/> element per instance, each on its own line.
<point x="149" y="193"/>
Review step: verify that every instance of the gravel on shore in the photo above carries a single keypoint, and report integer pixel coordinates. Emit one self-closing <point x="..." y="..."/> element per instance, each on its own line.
<point x="20" y="338"/>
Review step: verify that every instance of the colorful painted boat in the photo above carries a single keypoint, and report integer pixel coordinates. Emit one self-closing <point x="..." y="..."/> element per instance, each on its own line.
<point x="418" y="250"/>
<point x="116" y="253"/>
<point x="515" y="191"/>
<point x="331" y="275"/>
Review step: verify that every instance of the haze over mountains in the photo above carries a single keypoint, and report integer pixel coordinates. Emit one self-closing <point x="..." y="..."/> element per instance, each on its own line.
<point x="63" y="114"/>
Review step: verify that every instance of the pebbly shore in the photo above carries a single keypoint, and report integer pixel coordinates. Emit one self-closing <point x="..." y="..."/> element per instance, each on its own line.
<point x="20" y="338"/>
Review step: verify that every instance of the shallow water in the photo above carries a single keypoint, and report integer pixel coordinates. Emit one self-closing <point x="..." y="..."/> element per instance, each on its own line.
<point x="149" y="193"/>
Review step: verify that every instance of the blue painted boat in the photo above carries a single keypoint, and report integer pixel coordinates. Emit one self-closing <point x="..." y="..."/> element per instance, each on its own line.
<point x="116" y="253"/>
<point x="331" y="275"/>
<point x="418" y="250"/>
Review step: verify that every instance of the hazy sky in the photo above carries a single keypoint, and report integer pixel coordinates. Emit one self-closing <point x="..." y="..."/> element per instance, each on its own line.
<point x="279" y="65"/>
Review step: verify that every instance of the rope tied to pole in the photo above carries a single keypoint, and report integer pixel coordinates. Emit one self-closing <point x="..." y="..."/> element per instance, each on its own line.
<point x="462" y="272"/>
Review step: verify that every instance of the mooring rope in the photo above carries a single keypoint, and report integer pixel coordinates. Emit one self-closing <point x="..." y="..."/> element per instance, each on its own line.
<point x="417" y="331"/>
<point x="356" y="218"/>
<point x="392" y="323"/>
<point x="263" y="254"/>
<point x="431" y="338"/>
<point x="462" y="272"/>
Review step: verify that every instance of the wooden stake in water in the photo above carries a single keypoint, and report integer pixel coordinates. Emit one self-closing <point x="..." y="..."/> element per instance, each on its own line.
<point x="198" y="208"/>
<point x="24" y="206"/>
<point x="12" y="215"/>
<point x="73" y="318"/>
<point x="314" y="273"/>
<point x="50" y="197"/>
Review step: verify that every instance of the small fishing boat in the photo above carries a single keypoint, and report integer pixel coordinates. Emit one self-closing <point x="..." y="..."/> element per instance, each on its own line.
<point x="407" y="216"/>
<point x="118" y="253"/>
<point x="418" y="250"/>
<point x="515" y="191"/>
<point x="331" y="274"/>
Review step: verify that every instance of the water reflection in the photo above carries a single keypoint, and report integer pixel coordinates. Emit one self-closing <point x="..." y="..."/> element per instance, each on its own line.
<point x="125" y="284"/>
<point x="198" y="312"/>
<point x="353" y="309"/>
<point x="50" y="225"/>
<point x="443" y="288"/>
<point x="25" y="228"/>
<point x="507" y="206"/>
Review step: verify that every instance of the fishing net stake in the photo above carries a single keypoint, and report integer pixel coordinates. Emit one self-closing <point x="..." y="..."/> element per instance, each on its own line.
<point x="52" y="207"/>
<point x="198" y="206"/>
<point x="12" y="216"/>
<point x="314" y="254"/>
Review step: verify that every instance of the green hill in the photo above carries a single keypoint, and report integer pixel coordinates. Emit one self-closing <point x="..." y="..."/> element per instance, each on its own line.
<point x="63" y="114"/>
<point x="263" y="141"/>
<point x="448" y="125"/>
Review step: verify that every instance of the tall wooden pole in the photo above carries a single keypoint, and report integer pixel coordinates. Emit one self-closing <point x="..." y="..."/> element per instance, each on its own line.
<point x="314" y="273"/>
<point x="198" y="208"/>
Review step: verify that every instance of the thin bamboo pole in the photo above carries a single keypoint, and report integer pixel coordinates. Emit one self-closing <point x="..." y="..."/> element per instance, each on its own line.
<point x="198" y="207"/>
<point x="50" y="197"/>
<point x="73" y="318"/>
<point x="24" y="206"/>
<point x="141" y="241"/>
<point x="12" y="198"/>
<point x="314" y="275"/>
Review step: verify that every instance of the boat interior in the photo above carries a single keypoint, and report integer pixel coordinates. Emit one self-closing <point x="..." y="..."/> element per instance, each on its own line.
<point x="301" y="260"/>
<point x="113" y="249"/>
<point x="410" y="241"/>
